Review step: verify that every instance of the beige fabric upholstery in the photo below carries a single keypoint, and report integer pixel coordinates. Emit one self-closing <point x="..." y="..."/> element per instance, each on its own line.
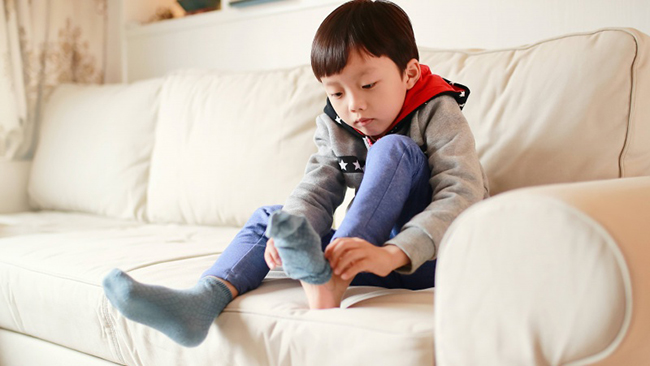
<point x="228" y="143"/>
<point x="622" y="208"/>
<point x="52" y="291"/>
<point x="20" y="349"/>
<point x="568" y="109"/>
<point x="555" y="275"/>
<point x="38" y="222"/>
<point x="94" y="149"/>
<point x="51" y="281"/>
<point x="548" y="275"/>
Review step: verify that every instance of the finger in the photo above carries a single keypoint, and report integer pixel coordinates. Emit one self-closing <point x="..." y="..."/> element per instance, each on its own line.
<point x="351" y="257"/>
<point x="354" y="269"/>
<point x="273" y="253"/>
<point x="339" y="250"/>
<point x="348" y="251"/>
<point x="268" y="259"/>
<point x="330" y="247"/>
<point x="276" y="256"/>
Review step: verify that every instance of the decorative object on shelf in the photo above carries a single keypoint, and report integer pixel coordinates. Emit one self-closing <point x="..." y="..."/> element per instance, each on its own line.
<point x="199" y="6"/>
<point x="162" y="13"/>
<point x="249" y="2"/>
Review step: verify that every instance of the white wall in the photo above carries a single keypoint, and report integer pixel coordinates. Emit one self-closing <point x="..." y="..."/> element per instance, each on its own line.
<point x="121" y="15"/>
<point x="505" y="23"/>
<point x="279" y="34"/>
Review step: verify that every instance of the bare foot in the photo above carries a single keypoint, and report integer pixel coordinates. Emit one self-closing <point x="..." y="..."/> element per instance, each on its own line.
<point x="327" y="295"/>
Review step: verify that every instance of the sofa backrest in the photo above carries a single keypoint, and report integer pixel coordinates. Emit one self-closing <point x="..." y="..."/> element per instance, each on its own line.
<point x="573" y="108"/>
<point x="94" y="149"/>
<point x="207" y="147"/>
<point x="228" y="143"/>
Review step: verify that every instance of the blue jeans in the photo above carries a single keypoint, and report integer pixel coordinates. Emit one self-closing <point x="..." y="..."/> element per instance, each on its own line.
<point x="395" y="187"/>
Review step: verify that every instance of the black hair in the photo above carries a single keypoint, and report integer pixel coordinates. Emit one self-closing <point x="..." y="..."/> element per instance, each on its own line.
<point x="379" y="28"/>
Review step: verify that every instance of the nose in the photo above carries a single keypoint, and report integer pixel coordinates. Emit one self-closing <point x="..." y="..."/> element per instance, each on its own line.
<point x="357" y="103"/>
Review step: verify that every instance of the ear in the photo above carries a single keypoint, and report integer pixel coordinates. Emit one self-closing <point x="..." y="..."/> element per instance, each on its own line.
<point x="412" y="73"/>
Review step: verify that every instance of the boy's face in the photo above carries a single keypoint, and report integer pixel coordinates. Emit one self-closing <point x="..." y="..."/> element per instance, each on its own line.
<point x="369" y="92"/>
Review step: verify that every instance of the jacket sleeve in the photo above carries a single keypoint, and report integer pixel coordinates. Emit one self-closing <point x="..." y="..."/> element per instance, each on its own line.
<point x="322" y="188"/>
<point x="457" y="179"/>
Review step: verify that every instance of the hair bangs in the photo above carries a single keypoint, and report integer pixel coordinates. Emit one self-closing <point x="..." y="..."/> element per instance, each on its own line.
<point x="377" y="28"/>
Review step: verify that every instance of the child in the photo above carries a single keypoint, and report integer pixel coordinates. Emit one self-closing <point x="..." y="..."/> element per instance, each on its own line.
<point x="393" y="131"/>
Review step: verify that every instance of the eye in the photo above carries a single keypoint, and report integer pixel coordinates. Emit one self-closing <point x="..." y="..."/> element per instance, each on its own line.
<point x="369" y="86"/>
<point x="336" y="95"/>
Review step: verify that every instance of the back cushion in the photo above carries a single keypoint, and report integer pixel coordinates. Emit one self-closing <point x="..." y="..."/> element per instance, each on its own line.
<point x="94" y="149"/>
<point x="228" y="143"/>
<point x="566" y="109"/>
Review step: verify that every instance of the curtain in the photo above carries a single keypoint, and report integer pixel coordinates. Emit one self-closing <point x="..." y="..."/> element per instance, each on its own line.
<point x="44" y="43"/>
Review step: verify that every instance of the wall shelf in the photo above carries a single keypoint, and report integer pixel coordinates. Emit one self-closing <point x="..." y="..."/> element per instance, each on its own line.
<point x="227" y="14"/>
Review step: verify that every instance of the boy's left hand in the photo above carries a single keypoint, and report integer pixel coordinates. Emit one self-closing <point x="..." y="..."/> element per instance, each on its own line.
<point x="350" y="256"/>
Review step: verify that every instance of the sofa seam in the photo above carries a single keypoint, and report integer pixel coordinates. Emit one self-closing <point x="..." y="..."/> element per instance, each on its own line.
<point x="631" y="110"/>
<point x="477" y="52"/>
<point x="49" y="274"/>
<point x="423" y="332"/>
<point x="116" y="350"/>
<point x="155" y="263"/>
<point x="103" y="308"/>
<point x="624" y="272"/>
<point x="96" y="285"/>
<point x="619" y="258"/>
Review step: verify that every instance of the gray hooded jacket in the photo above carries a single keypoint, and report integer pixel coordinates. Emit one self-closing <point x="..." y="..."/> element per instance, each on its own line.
<point x="457" y="178"/>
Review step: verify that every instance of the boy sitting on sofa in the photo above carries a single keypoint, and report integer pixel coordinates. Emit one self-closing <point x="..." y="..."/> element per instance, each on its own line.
<point x="391" y="130"/>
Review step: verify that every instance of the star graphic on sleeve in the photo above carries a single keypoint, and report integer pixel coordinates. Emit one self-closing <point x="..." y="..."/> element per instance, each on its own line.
<point x="343" y="165"/>
<point x="357" y="165"/>
<point x="338" y="120"/>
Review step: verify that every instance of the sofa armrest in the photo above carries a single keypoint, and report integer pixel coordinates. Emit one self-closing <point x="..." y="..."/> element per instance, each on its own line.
<point x="548" y="275"/>
<point x="13" y="186"/>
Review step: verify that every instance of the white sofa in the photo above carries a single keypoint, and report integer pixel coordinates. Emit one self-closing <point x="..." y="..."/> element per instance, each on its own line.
<point x="155" y="178"/>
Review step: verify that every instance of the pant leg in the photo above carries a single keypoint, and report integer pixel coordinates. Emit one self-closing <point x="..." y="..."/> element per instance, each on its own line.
<point x="242" y="263"/>
<point x="395" y="188"/>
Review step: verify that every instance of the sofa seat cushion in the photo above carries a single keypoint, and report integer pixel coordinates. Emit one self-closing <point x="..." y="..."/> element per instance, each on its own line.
<point x="51" y="281"/>
<point x="36" y="222"/>
<point x="273" y="326"/>
<point x="52" y="290"/>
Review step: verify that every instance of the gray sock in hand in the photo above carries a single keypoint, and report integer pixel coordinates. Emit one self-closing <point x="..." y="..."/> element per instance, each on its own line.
<point x="183" y="315"/>
<point x="299" y="247"/>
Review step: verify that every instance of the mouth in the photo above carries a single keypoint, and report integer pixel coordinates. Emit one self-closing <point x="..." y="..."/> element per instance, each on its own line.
<point x="363" y="121"/>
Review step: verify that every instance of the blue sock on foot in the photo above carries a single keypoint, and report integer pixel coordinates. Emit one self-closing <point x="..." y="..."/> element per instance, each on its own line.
<point x="183" y="315"/>
<point x="299" y="247"/>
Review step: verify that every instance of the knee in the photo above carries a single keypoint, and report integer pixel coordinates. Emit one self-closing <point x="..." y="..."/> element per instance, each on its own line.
<point x="262" y="214"/>
<point x="395" y="145"/>
<point x="269" y="209"/>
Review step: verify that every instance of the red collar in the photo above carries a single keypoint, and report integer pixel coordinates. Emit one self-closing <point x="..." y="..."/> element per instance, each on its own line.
<point x="426" y="88"/>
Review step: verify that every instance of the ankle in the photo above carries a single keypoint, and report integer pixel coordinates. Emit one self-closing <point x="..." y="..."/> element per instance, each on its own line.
<point x="326" y="296"/>
<point x="233" y="290"/>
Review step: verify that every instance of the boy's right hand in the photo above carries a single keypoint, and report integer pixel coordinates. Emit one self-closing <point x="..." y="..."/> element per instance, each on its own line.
<point x="271" y="255"/>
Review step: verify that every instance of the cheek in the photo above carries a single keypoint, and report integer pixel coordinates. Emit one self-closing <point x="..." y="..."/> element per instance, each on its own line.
<point x="391" y="100"/>
<point x="339" y="107"/>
